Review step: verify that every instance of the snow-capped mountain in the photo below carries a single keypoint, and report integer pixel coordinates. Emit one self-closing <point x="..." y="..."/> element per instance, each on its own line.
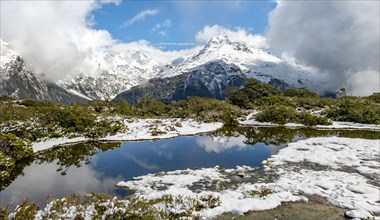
<point x="254" y="62"/>
<point x="17" y="80"/>
<point x="223" y="62"/>
<point x="116" y="73"/>
<point x="119" y="71"/>
<point x="208" y="80"/>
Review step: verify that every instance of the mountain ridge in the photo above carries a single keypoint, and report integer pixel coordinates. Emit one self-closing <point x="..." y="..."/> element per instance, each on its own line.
<point x="18" y="80"/>
<point x="118" y="72"/>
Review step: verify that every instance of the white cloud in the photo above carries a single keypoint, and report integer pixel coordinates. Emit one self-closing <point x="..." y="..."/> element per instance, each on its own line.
<point x="116" y="2"/>
<point x="239" y="34"/>
<point x="46" y="181"/>
<point x="140" y="16"/>
<point x="61" y="46"/>
<point x="341" y="38"/>
<point x="363" y="82"/>
<point x="54" y="43"/>
<point x="222" y="143"/>
<point x="163" y="57"/>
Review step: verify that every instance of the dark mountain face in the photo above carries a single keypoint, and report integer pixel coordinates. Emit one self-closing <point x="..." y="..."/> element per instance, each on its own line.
<point x="57" y="93"/>
<point x="19" y="81"/>
<point x="208" y="80"/>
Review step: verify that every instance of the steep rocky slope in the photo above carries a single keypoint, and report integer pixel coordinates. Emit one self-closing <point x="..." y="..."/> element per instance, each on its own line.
<point x="18" y="80"/>
<point x="208" y="80"/>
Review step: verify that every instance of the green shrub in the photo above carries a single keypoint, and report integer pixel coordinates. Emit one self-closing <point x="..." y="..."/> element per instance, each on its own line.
<point x="99" y="105"/>
<point x="273" y="100"/>
<point x="238" y="97"/>
<point x="286" y="114"/>
<point x="229" y="119"/>
<point x="205" y="109"/>
<point x="375" y="97"/>
<point x="354" y="109"/>
<point x="277" y="114"/>
<point x="35" y="103"/>
<point x="122" y="107"/>
<point x="12" y="150"/>
<point x="253" y="89"/>
<point x="149" y="107"/>
<point x="312" y="103"/>
<point x="301" y="93"/>
<point x="15" y="147"/>
<point x="6" y="98"/>
<point x="311" y="120"/>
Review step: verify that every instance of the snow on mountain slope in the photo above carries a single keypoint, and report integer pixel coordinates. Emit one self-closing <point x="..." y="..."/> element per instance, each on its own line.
<point x="208" y="80"/>
<point x="119" y="71"/>
<point x="116" y="73"/>
<point x="18" y="80"/>
<point x="254" y="62"/>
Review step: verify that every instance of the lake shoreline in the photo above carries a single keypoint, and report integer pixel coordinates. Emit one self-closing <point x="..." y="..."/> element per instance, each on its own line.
<point x="142" y="130"/>
<point x="340" y="169"/>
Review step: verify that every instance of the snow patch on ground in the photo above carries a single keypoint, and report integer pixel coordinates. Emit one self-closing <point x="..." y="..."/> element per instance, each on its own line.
<point x="330" y="167"/>
<point x="44" y="145"/>
<point x="349" y="125"/>
<point x="142" y="129"/>
<point x="178" y="183"/>
<point x="250" y="121"/>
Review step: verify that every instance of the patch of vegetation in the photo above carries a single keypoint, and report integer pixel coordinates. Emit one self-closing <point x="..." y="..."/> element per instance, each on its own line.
<point x="253" y="90"/>
<point x="204" y="109"/>
<point x="184" y="206"/>
<point x="25" y="210"/>
<point x="277" y="114"/>
<point x="230" y="120"/>
<point x="285" y="114"/>
<point x="311" y="120"/>
<point x="300" y="93"/>
<point x="3" y="213"/>
<point x="279" y="107"/>
<point x="310" y="103"/>
<point x="12" y="150"/>
<point x="355" y="109"/>
<point x="261" y="193"/>
<point x="375" y="97"/>
<point x="274" y="100"/>
<point x="101" y="206"/>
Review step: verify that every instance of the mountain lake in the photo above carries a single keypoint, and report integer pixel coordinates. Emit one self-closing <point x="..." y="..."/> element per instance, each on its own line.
<point x="97" y="166"/>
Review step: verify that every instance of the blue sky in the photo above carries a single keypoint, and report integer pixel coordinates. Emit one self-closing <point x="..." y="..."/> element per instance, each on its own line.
<point x="179" y="21"/>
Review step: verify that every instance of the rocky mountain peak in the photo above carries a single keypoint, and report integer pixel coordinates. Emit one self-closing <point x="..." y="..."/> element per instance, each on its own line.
<point x="225" y="41"/>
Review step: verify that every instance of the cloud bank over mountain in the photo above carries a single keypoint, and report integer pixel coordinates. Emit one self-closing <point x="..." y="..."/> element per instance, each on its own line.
<point x="239" y="34"/>
<point x="341" y="38"/>
<point x="57" y="38"/>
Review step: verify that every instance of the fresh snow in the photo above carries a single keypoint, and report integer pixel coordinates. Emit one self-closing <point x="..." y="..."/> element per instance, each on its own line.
<point x="47" y="144"/>
<point x="250" y="120"/>
<point x="116" y="73"/>
<point x="349" y="125"/>
<point x="142" y="129"/>
<point x="326" y="167"/>
<point x="254" y="62"/>
<point x="119" y="71"/>
<point x="7" y="55"/>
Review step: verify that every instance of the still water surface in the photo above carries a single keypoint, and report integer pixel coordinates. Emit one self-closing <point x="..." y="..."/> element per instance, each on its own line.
<point x="97" y="167"/>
